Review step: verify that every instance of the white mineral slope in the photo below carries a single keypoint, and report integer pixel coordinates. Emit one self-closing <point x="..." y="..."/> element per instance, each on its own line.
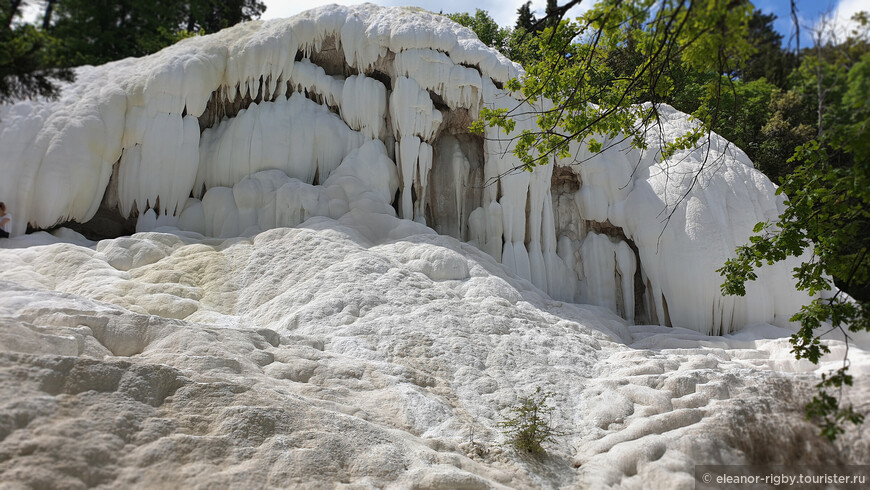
<point x="685" y="216"/>
<point x="242" y="131"/>
<point x="287" y="317"/>
<point x="365" y="352"/>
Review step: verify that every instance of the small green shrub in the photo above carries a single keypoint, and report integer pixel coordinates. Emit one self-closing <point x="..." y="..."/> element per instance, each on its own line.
<point x="530" y="426"/>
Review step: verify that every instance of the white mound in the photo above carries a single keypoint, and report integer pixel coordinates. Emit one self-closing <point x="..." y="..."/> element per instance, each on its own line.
<point x="363" y="108"/>
<point x="335" y="284"/>
<point x="319" y="356"/>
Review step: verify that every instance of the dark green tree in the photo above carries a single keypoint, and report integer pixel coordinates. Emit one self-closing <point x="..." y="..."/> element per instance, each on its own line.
<point x="28" y="57"/>
<point x="789" y="125"/>
<point x="486" y="28"/>
<point x="551" y="13"/>
<point x="94" y="32"/>
<point x="98" y="31"/>
<point x="744" y="111"/>
<point x="769" y="61"/>
<point x="208" y="16"/>
<point x="525" y="18"/>
<point x="827" y="213"/>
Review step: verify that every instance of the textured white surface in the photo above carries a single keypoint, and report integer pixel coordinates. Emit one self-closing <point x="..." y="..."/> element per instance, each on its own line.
<point x="327" y="354"/>
<point x="686" y="215"/>
<point x="288" y="315"/>
<point x="202" y="120"/>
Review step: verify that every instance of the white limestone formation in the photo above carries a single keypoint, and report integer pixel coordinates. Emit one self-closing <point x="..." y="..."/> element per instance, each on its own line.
<point x="335" y="284"/>
<point x="243" y="131"/>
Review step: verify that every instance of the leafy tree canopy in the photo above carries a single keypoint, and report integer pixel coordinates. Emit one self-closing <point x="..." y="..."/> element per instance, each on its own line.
<point x="33" y="57"/>
<point x="591" y="95"/>
<point x="28" y="57"/>
<point x="98" y="31"/>
<point x="525" y="19"/>
<point x="486" y="28"/>
<point x="827" y="213"/>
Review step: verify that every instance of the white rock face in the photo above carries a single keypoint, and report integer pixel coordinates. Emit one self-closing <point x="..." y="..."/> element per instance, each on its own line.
<point x="240" y="132"/>
<point x="335" y="283"/>
<point x="326" y="354"/>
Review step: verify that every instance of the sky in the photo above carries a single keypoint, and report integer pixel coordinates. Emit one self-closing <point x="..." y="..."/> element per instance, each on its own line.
<point x="504" y="11"/>
<point x="808" y="12"/>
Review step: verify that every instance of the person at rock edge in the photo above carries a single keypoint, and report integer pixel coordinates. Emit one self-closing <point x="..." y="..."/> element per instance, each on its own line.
<point x="5" y="221"/>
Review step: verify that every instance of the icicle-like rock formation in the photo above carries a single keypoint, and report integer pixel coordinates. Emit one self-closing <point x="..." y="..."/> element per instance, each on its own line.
<point x="362" y="108"/>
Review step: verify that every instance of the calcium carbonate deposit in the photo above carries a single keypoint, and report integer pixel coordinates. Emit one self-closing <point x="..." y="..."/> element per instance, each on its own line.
<point x="332" y="282"/>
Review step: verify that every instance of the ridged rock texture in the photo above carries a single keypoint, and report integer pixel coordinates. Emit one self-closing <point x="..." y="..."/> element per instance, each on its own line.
<point x="333" y="282"/>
